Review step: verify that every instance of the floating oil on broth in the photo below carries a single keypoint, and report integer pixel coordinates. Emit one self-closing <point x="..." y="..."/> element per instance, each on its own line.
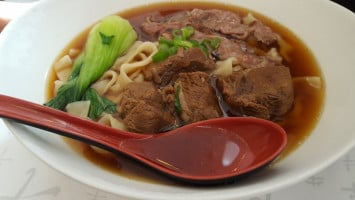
<point x="298" y="123"/>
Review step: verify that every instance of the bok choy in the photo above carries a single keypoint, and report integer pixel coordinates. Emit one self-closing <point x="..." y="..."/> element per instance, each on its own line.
<point x="107" y="40"/>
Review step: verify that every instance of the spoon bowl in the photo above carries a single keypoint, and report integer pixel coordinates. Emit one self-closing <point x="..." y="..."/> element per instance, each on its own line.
<point x="206" y="152"/>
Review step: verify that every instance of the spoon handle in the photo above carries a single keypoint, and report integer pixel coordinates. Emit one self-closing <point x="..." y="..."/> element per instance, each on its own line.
<point x="61" y="123"/>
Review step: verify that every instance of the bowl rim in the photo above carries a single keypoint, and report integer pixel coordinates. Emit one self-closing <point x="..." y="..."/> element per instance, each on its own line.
<point x="12" y="26"/>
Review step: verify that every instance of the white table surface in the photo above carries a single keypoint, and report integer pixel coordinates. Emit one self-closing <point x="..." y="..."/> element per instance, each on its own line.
<point x="24" y="176"/>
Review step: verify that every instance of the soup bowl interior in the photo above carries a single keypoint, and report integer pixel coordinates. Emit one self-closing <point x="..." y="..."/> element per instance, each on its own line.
<point x="30" y="44"/>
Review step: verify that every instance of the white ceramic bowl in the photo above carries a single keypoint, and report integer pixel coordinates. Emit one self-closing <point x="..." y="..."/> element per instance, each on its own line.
<point x="29" y="45"/>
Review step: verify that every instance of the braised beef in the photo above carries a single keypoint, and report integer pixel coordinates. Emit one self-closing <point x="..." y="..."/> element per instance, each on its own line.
<point x="142" y="108"/>
<point x="144" y="118"/>
<point x="229" y="48"/>
<point x="264" y="92"/>
<point x="157" y="25"/>
<point x="263" y="33"/>
<point x="224" y="22"/>
<point x="179" y="88"/>
<point x="190" y="60"/>
<point x="245" y="55"/>
<point x="213" y="21"/>
<point x="197" y="98"/>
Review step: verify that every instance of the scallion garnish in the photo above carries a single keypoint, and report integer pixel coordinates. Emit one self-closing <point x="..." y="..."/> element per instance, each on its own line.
<point x="181" y="39"/>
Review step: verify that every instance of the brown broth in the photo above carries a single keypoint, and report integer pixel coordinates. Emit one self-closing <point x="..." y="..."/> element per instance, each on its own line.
<point x="298" y="123"/>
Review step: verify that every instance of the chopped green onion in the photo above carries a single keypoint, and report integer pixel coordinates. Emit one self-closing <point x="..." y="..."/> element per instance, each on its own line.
<point x="182" y="43"/>
<point x="161" y="55"/>
<point x="177" y="100"/>
<point x="187" y="32"/>
<point x="164" y="41"/>
<point x="215" y="43"/>
<point x="181" y="39"/>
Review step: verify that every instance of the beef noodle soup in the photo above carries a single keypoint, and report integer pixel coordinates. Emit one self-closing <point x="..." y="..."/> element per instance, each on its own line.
<point x="192" y="62"/>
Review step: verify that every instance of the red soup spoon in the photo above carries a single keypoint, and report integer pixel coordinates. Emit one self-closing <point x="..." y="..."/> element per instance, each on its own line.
<point x="206" y="152"/>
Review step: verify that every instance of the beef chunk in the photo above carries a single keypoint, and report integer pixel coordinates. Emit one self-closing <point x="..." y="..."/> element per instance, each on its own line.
<point x="197" y="98"/>
<point x="135" y="92"/>
<point x="144" y="118"/>
<point x="190" y="60"/>
<point x="211" y="21"/>
<point x="224" y="22"/>
<point x="142" y="108"/>
<point x="229" y="24"/>
<point x="264" y="92"/>
<point x="157" y="25"/>
<point x="229" y="48"/>
<point x="263" y="33"/>
<point x="245" y="55"/>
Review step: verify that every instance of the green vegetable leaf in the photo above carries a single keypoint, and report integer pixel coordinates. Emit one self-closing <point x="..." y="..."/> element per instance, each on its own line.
<point x="96" y="58"/>
<point x="66" y="94"/>
<point x="98" y="104"/>
<point x="106" y="39"/>
<point x="78" y="63"/>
